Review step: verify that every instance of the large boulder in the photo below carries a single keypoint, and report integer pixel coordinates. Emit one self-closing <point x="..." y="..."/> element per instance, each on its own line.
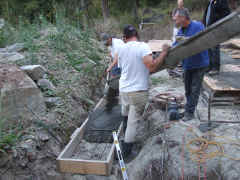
<point x="13" y="48"/>
<point x="45" y="84"/>
<point x="36" y="72"/>
<point x="178" y="155"/>
<point x="20" y="98"/>
<point x="12" y="57"/>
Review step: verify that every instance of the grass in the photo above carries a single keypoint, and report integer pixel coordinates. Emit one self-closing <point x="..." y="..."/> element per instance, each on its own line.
<point x="8" y="137"/>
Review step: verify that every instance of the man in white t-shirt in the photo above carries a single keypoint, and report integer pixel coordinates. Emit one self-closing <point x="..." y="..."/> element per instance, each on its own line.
<point x="114" y="44"/>
<point x="136" y="62"/>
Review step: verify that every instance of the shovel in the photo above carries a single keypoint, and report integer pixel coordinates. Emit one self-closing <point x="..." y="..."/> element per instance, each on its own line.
<point x="106" y="88"/>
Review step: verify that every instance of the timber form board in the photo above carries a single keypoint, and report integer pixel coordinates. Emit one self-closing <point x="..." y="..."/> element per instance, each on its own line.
<point x="81" y="166"/>
<point x="226" y="83"/>
<point x="156" y="45"/>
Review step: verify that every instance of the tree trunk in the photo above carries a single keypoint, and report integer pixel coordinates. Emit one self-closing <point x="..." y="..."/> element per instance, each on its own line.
<point x="105" y="10"/>
<point x="84" y="18"/>
<point x="135" y="11"/>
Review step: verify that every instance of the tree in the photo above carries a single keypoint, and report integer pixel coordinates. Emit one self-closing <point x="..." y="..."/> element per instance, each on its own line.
<point x="105" y="10"/>
<point x="135" y="10"/>
<point x="83" y="8"/>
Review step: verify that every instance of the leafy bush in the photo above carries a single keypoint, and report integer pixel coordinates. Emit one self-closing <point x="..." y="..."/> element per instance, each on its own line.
<point x="7" y="137"/>
<point x="6" y="35"/>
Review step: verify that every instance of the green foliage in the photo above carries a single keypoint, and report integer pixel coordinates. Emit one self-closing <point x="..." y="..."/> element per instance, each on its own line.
<point x="6" y="35"/>
<point x="8" y="138"/>
<point x="2" y="39"/>
<point x="28" y="33"/>
<point x="81" y="52"/>
<point x="11" y="10"/>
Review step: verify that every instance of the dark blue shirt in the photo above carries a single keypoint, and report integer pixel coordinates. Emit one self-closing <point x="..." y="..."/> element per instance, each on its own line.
<point x="199" y="60"/>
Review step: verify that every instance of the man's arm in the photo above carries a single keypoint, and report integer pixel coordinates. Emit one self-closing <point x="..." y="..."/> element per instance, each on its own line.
<point x="153" y="64"/>
<point x="115" y="61"/>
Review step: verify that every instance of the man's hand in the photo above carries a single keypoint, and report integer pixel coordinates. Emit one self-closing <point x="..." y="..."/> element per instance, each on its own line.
<point x="165" y="49"/>
<point x="108" y="69"/>
<point x="181" y="38"/>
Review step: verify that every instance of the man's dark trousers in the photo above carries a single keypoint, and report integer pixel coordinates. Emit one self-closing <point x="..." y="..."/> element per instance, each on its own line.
<point x="214" y="57"/>
<point x="193" y="83"/>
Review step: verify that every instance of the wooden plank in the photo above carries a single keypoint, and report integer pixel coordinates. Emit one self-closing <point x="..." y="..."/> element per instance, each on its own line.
<point x="213" y="84"/>
<point x="232" y="43"/>
<point x="71" y="165"/>
<point x="217" y="33"/>
<point x="236" y="56"/>
<point x="156" y="45"/>
<point x="83" y="166"/>
<point x="77" y="136"/>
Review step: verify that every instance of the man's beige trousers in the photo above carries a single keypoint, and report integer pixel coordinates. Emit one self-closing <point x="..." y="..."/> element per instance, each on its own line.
<point x="133" y="105"/>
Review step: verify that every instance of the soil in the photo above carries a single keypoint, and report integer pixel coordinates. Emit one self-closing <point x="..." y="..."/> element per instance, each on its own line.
<point x="92" y="151"/>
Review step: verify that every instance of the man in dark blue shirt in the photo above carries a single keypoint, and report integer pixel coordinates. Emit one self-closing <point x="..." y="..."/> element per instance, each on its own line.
<point x="194" y="66"/>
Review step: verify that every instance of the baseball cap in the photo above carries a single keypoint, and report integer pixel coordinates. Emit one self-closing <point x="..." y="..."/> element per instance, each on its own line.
<point x="105" y="37"/>
<point x="129" y="31"/>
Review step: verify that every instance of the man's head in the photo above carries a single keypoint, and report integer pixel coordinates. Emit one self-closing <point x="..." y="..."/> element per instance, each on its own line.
<point x="129" y="32"/>
<point x="182" y="17"/>
<point x="107" y="39"/>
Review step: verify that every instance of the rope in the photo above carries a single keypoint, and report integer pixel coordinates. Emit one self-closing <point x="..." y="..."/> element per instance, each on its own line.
<point x="182" y="156"/>
<point x="200" y="155"/>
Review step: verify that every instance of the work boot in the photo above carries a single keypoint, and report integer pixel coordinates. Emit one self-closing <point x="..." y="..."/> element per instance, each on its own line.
<point x="125" y="120"/>
<point x="213" y="72"/>
<point x="126" y="149"/>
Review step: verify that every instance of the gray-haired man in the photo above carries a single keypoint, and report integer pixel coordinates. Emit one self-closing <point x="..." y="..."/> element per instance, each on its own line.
<point x="194" y="66"/>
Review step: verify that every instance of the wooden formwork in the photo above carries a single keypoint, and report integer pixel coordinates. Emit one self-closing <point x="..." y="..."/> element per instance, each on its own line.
<point x="82" y="166"/>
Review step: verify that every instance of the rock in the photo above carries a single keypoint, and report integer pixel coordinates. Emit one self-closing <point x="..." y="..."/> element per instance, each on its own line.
<point x="36" y="72"/>
<point x="161" y="74"/>
<point x="54" y="147"/>
<point x="48" y="31"/>
<point x="95" y="177"/>
<point x="23" y="163"/>
<point x="7" y="175"/>
<point x="42" y="136"/>
<point x="78" y="177"/>
<point x="4" y="158"/>
<point x="20" y="97"/>
<point x="28" y="144"/>
<point x="13" y="48"/>
<point x="45" y="84"/>
<point x="147" y="165"/>
<point x="52" y="101"/>
<point x="10" y="57"/>
<point x="32" y="156"/>
<point x="53" y="175"/>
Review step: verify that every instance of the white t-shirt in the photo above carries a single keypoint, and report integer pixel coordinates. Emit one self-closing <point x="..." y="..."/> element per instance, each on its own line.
<point x="116" y="45"/>
<point x="175" y="31"/>
<point x="134" y="73"/>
